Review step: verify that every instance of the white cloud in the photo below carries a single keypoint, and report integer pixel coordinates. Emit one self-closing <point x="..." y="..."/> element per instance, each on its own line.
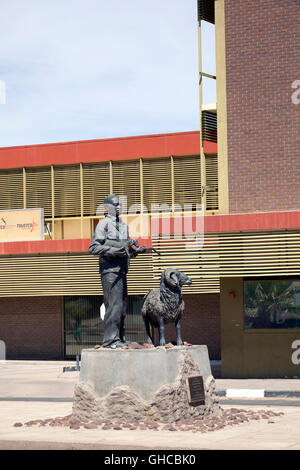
<point x="95" y="69"/>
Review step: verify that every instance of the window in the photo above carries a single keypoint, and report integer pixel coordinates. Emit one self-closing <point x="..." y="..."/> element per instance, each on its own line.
<point x="84" y="328"/>
<point x="272" y="303"/>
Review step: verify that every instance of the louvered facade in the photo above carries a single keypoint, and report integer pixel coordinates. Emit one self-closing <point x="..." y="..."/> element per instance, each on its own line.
<point x="209" y="126"/>
<point x="206" y="10"/>
<point x="211" y="172"/>
<point x="157" y="184"/>
<point x="38" y="190"/>
<point x="69" y="192"/>
<point x="166" y="193"/>
<point x="67" y="196"/>
<point x="126" y="182"/>
<point x="78" y="274"/>
<point x="187" y="182"/>
<point x="243" y="257"/>
<point x="11" y="189"/>
<point x="230" y="254"/>
<point x="96" y="185"/>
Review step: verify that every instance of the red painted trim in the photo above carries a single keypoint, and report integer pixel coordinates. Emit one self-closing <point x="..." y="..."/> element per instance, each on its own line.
<point x="217" y="223"/>
<point x="232" y="223"/>
<point x="53" y="246"/>
<point x="125" y="148"/>
<point x="210" y="147"/>
<point x="254" y="221"/>
<point x="44" y="246"/>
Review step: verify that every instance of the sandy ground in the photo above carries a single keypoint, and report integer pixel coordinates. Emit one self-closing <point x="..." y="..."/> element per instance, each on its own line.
<point x="38" y="390"/>
<point x="283" y="433"/>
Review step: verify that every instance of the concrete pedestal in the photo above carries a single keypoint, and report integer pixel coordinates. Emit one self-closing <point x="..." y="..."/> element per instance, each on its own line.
<point x="139" y="384"/>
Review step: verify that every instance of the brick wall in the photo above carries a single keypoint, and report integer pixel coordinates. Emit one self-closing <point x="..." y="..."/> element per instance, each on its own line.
<point x="200" y="323"/>
<point x="31" y="327"/>
<point x="262" y="62"/>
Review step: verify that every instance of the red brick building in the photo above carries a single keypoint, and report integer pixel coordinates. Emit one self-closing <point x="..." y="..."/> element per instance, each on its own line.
<point x="257" y="260"/>
<point x="263" y="122"/>
<point x="245" y="299"/>
<point x="50" y="289"/>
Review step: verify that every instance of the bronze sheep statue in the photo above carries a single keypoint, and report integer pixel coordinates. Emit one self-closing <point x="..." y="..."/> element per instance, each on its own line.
<point x="165" y="305"/>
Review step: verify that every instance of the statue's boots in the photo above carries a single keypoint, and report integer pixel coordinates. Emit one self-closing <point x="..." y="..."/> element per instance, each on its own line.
<point x="118" y="344"/>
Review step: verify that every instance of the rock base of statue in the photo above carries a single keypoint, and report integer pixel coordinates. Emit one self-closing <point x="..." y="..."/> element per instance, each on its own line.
<point x="157" y="384"/>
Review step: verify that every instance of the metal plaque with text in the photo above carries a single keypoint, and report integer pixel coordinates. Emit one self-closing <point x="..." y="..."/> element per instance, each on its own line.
<point x="195" y="388"/>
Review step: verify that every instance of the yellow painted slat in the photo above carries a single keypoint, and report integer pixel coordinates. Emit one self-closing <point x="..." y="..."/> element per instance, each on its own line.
<point x="187" y="181"/>
<point x="77" y="274"/>
<point x="211" y="168"/>
<point x="126" y="182"/>
<point x="233" y="254"/>
<point x="96" y="186"/>
<point x="67" y="191"/>
<point x="11" y="189"/>
<point x="157" y="182"/>
<point x="38" y="189"/>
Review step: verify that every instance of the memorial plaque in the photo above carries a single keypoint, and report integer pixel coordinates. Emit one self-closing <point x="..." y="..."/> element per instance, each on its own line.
<point x="195" y="389"/>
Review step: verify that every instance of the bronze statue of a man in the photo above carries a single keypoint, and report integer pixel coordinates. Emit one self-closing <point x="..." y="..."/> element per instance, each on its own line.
<point x="112" y="243"/>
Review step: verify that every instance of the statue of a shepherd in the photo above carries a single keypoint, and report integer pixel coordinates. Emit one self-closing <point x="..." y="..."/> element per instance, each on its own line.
<point x="112" y="243"/>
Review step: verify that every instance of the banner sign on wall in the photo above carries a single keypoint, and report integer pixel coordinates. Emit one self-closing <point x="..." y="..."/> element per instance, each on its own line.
<point x="21" y="225"/>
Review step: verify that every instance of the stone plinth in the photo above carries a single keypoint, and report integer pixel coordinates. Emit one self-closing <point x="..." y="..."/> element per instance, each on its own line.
<point x="139" y="384"/>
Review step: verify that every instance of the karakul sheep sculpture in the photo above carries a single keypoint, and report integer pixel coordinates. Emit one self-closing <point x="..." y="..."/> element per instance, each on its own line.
<point x="165" y="305"/>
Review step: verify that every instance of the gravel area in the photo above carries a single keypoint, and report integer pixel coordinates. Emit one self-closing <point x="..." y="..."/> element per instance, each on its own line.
<point x="209" y="423"/>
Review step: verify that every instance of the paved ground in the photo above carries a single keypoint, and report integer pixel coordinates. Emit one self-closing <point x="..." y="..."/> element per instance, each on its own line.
<point x="46" y="379"/>
<point x="36" y="379"/>
<point x="266" y="384"/>
<point x="282" y="434"/>
<point x="27" y="388"/>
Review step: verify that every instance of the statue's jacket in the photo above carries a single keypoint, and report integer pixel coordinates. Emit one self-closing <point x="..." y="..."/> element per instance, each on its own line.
<point x="110" y="228"/>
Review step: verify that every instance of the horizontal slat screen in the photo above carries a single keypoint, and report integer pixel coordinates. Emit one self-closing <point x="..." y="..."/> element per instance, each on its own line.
<point x="76" y="274"/>
<point x="11" y="189"/>
<point x="184" y="255"/>
<point x="206" y="10"/>
<point x="211" y="170"/>
<point x="67" y="191"/>
<point x="187" y="181"/>
<point x="38" y="189"/>
<point x="126" y="182"/>
<point x="96" y="186"/>
<point x="204" y="259"/>
<point x="166" y="181"/>
<point x="222" y="255"/>
<point x="233" y="254"/>
<point x="157" y="182"/>
<point x="209" y="126"/>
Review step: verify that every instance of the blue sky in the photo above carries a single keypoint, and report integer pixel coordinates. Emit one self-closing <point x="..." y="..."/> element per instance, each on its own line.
<point x="78" y="70"/>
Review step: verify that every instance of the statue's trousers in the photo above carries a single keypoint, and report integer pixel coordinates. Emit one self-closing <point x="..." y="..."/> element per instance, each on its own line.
<point x="115" y="300"/>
